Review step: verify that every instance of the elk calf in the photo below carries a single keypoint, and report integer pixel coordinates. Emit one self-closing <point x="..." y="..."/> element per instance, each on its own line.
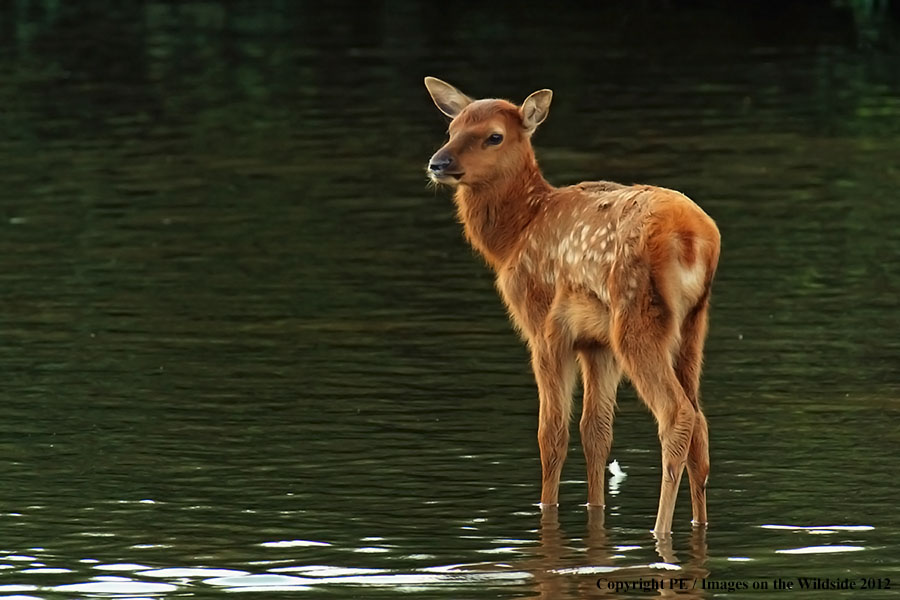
<point x="614" y="277"/>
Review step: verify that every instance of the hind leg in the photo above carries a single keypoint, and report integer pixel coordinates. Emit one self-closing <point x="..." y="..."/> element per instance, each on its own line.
<point x="643" y="339"/>
<point x="687" y="369"/>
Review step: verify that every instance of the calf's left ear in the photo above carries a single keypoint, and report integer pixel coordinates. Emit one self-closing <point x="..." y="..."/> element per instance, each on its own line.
<point x="535" y="109"/>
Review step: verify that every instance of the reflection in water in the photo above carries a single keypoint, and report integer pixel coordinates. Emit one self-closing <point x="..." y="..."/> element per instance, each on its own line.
<point x="555" y="567"/>
<point x="597" y="570"/>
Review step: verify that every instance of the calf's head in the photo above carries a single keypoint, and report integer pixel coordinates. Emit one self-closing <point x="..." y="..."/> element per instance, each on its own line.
<point x="489" y="138"/>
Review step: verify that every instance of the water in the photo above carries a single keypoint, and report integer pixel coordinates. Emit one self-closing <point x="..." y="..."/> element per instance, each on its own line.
<point x="245" y="348"/>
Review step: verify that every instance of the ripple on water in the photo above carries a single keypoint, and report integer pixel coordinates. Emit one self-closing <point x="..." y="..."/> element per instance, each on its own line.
<point x="292" y="544"/>
<point x="821" y="549"/>
<point x="110" y="578"/>
<point x="121" y="567"/>
<point x="261" y="581"/>
<point x="115" y="587"/>
<point x="819" y="528"/>
<point x="585" y="570"/>
<point x="417" y="579"/>
<point x="500" y="550"/>
<point x="664" y="566"/>
<point x="191" y="572"/>
<point x="326" y="571"/>
<point x="317" y="575"/>
<point x="46" y="570"/>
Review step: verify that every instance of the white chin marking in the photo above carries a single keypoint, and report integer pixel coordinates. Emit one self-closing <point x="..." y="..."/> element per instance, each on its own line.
<point x="446" y="180"/>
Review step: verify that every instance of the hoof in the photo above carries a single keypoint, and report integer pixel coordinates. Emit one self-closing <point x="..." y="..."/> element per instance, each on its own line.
<point x="698" y="524"/>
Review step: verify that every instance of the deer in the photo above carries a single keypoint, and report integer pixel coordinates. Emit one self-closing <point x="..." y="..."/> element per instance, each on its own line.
<point x="610" y="277"/>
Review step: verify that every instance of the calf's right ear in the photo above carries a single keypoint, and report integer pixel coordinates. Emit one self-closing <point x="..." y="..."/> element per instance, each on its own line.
<point x="448" y="99"/>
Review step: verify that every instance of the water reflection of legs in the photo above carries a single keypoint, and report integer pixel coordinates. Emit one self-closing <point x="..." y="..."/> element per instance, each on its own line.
<point x="550" y="584"/>
<point x="598" y="553"/>
<point x="693" y="570"/>
<point x="696" y="566"/>
<point x="563" y="573"/>
<point x="664" y="548"/>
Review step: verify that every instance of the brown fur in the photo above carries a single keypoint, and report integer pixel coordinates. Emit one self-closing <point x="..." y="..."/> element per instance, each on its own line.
<point x="615" y="278"/>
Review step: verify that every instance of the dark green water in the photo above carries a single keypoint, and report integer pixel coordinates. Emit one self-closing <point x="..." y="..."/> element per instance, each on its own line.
<point x="245" y="348"/>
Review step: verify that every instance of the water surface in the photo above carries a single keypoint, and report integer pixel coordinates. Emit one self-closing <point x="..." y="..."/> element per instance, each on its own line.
<point x="245" y="347"/>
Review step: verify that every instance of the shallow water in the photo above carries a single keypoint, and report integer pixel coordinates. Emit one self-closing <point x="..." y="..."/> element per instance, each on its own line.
<point x="245" y="348"/>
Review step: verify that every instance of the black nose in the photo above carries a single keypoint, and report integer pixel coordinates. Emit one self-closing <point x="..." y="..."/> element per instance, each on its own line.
<point x="439" y="163"/>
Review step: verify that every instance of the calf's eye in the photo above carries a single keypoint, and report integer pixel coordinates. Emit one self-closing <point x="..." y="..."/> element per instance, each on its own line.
<point x="494" y="139"/>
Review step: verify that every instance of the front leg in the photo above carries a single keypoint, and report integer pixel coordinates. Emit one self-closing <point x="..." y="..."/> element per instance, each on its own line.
<point x="601" y="375"/>
<point x="553" y="362"/>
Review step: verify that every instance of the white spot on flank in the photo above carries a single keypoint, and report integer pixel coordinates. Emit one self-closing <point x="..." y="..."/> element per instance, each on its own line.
<point x="692" y="279"/>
